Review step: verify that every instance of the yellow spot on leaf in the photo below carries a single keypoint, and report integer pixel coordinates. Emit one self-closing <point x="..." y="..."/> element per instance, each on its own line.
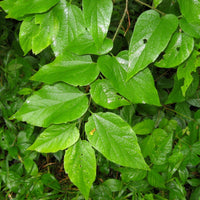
<point x="92" y="131"/>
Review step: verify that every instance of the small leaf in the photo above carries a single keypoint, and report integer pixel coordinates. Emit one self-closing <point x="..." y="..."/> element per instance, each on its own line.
<point x="113" y="184"/>
<point x="97" y="16"/>
<point x="190" y="29"/>
<point x="50" y="181"/>
<point x="80" y="164"/>
<point x="185" y="71"/>
<point x="139" y="89"/>
<point x="115" y="139"/>
<point x="179" y="49"/>
<point x="30" y="167"/>
<point x="55" y="104"/>
<point x="150" y="37"/>
<point x="55" y="138"/>
<point x="145" y="127"/>
<point x="155" y="179"/>
<point x="157" y="2"/>
<point x="190" y="5"/>
<point x="70" y="68"/>
<point x="28" y="30"/>
<point x="105" y="95"/>
<point x="19" y="8"/>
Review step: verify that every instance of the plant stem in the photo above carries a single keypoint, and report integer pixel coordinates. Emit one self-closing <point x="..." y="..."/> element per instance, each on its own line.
<point x="121" y="21"/>
<point x="147" y="5"/>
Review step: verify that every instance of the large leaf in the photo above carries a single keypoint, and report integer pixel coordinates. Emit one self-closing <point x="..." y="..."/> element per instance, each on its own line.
<point x="70" y="68"/>
<point x="71" y="25"/>
<point x="19" y="8"/>
<point x="84" y="44"/>
<point x="178" y="50"/>
<point x="185" y="71"/>
<point x="105" y="95"/>
<point x="115" y="139"/>
<point x="55" y="138"/>
<point x="97" y="16"/>
<point x="139" y="89"/>
<point x="55" y="104"/>
<point x="190" y="9"/>
<point x="80" y="164"/>
<point x="150" y="37"/>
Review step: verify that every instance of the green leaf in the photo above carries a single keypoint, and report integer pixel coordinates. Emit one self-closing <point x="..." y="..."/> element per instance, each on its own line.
<point x="71" y="25"/>
<point x="157" y="2"/>
<point x="163" y="146"/>
<point x="103" y="93"/>
<point x="155" y="179"/>
<point x="50" y="181"/>
<point x="139" y="89"/>
<point x="190" y="29"/>
<point x="179" y="49"/>
<point x="97" y="16"/>
<point x="113" y="184"/>
<point x="28" y="30"/>
<point x="84" y="44"/>
<point x="195" y="194"/>
<point x="185" y="71"/>
<point x="70" y="68"/>
<point x="55" y="138"/>
<point x="80" y="164"/>
<point x="48" y="29"/>
<point x="150" y="37"/>
<point x="30" y="167"/>
<point x="190" y="5"/>
<point x="129" y="174"/>
<point x="115" y="139"/>
<point x="55" y="104"/>
<point x="145" y="127"/>
<point x="19" y="8"/>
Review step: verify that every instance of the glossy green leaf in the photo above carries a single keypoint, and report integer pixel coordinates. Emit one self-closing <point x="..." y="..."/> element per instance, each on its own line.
<point x="71" y="25"/>
<point x="145" y="127"/>
<point x="155" y="179"/>
<point x="19" y="8"/>
<point x="113" y="184"/>
<point x="185" y="70"/>
<point x="55" y="104"/>
<point x="55" y="138"/>
<point x="139" y="89"/>
<point x="48" y="29"/>
<point x="84" y="44"/>
<point x="97" y="16"/>
<point x="150" y="37"/>
<point x="190" y="9"/>
<point x="179" y="49"/>
<point x="103" y="93"/>
<point x="28" y="30"/>
<point x="80" y="164"/>
<point x="190" y="29"/>
<point x="115" y="139"/>
<point x="70" y="68"/>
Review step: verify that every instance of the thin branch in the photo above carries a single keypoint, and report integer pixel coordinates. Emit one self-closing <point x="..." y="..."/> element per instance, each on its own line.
<point x="121" y="21"/>
<point x="147" y="5"/>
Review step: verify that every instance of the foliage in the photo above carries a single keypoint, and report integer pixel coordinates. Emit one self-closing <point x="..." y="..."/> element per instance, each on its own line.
<point x="120" y="116"/>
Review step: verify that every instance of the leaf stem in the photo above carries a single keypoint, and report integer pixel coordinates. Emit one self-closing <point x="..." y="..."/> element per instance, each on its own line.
<point x="121" y="21"/>
<point x="147" y="5"/>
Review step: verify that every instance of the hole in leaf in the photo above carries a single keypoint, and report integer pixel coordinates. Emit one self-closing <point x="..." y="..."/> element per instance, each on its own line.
<point x="144" y="41"/>
<point x="178" y="48"/>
